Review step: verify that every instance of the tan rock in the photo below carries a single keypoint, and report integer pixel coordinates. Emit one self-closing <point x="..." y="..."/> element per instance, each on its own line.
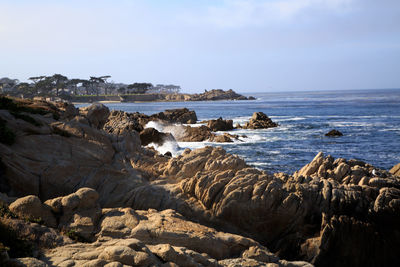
<point x="31" y="207"/>
<point x="80" y="212"/>
<point x="117" y="223"/>
<point x="122" y="254"/>
<point x="97" y="114"/>
<point x="259" y="121"/>
<point x="181" y="256"/>
<point x="395" y="170"/>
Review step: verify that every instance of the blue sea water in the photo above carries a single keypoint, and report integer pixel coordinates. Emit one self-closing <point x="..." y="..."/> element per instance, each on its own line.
<point x="369" y="120"/>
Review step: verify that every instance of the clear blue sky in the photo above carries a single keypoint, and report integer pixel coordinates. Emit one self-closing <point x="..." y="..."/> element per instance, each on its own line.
<point x="254" y="45"/>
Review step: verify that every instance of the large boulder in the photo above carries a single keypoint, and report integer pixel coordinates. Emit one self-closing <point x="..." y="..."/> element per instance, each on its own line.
<point x="97" y="114"/>
<point x="151" y="135"/>
<point x="221" y="139"/>
<point x="260" y="121"/>
<point x="182" y="115"/>
<point x="195" y="134"/>
<point x="78" y="213"/>
<point x="220" y="125"/>
<point x="120" y="121"/>
<point x="31" y="207"/>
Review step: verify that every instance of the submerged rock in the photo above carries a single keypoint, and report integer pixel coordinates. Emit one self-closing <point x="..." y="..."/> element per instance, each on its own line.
<point x="333" y="133"/>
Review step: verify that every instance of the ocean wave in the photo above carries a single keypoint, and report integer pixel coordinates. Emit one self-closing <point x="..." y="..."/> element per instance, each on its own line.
<point x="169" y="146"/>
<point x="156" y="125"/>
<point x="356" y="124"/>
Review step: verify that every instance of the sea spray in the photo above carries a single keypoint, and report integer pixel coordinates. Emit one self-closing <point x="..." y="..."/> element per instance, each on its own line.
<point x="168" y="146"/>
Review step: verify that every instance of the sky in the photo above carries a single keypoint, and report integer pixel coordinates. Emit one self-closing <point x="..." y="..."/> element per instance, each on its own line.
<point x="249" y="46"/>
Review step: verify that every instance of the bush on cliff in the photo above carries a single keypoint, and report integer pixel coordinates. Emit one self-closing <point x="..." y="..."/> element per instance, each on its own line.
<point x="16" y="108"/>
<point x="15" y="246"/>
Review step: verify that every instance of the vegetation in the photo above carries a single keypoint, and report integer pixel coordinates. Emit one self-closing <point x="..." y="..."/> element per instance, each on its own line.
<point x="16" y="108"/>
<point x="15" y="246"/>
<point x="9" y="239"/>
<point x="61" y="86"/>
<point x="74" y="235"/>
<point x="5" y="212"/>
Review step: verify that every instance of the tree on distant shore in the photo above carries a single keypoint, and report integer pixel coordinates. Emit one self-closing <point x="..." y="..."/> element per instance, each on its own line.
<point x="8" y="84"/>
<point x="25" y="89"/>
<point x="96" y="82"/>
<point x="73" y="83"/>
<point x="106" y="84"/>
<point x="59" y="85"/>
<point x="59" y="82"/>
<point x="45" y="86"/>
<point x="121" y="90"/>
<point x="35" y="81"/>
<point x="139" y="88"/>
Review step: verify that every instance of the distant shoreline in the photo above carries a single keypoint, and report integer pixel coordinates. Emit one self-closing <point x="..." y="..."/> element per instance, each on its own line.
<point x="206" y="96"/>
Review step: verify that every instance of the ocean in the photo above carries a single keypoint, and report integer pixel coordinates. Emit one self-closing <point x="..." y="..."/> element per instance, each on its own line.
<point x="368" y="119"/>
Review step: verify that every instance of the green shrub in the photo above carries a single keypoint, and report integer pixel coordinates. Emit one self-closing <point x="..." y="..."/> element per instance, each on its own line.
<point x="71" y="233"/>
<point x="5" y="212"/>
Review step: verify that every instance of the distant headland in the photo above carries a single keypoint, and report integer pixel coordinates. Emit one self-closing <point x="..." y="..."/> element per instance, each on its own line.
<point x="96" y="89"/>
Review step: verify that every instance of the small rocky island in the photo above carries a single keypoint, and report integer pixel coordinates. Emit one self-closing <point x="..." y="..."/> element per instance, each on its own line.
<point x="78" y="188"/>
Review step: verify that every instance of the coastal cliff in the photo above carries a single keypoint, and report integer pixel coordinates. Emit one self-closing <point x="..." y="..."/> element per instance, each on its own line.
<point x="80" y="188"/>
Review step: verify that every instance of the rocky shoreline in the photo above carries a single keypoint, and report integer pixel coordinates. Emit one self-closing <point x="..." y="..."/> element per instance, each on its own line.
<point x="211" y="95"/>
<point x="78" y="188"/>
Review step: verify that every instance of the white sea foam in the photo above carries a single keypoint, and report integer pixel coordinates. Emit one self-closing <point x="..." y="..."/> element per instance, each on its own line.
<point x="193" y="145"/>
<point x="169" y="146"/>
<point x="156" y="125"/>
<point x="240" y="120"/>
<point x="292" y="119"/>
<point x="356" y="124"/>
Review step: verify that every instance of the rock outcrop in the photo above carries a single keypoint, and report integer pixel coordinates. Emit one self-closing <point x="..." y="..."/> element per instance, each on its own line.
<point x="195" y="134"/>
<point x="122" y="121"/>
<point x="220" y="125"/>
<point x="204" y="207"/>
<point x="259" y="121"/>
<point x="151" y="135"/>
<point x="333" y="133"/>
<point x="201" y="134"/>
<point x="211" y="95"/>
<point x="136" y="238"/>
<point x="395" y="170"/>
<point x="312" y="209"/>
<point x="97" y="115"/>
<point x="182" y="115"/>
